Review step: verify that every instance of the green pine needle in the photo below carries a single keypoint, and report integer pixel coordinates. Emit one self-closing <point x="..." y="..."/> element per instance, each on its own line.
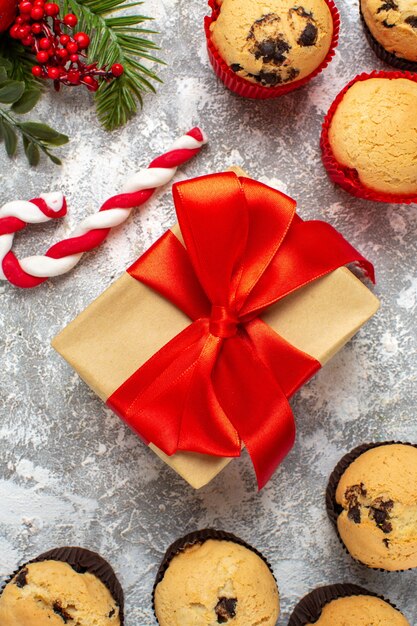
<point x="117" y="39"/>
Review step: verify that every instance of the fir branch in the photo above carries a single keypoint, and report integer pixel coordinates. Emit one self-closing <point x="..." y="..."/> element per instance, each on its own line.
<point x="117" y="39"/>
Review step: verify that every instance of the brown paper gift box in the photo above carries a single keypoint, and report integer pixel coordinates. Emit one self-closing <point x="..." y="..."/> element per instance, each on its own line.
<point x="129" y="322"/>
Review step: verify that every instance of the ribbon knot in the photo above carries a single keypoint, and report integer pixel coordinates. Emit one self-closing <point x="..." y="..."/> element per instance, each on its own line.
<point x="222" y="323"/>
<point x="244" y="246"/>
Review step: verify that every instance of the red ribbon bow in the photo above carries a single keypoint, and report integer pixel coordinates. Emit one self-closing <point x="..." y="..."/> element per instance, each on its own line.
<point x="227" y="377"/>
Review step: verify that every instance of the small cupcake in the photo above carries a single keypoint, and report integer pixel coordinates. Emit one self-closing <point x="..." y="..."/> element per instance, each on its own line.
<point x="211" y="577"/>
<point x="345" y="605"/>
<point x="372" y="499"/>
<point x="391" y="29"/>
<point x="265" y="48"/>
<point x="369" y="137"/>
<point x="63" y="586"/>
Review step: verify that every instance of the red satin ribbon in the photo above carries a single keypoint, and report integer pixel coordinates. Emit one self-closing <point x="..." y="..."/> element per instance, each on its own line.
<point x="227" y="377"/>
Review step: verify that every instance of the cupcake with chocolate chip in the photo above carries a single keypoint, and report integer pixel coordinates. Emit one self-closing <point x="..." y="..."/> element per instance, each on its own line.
<point x="369" y="137"/>
<point x="391" y="29"/>
<point x="211" y="577"/>
<point x="63" y="586"/>
<point x="265" y="48"/>
<point x="345" y="605"/>
<point x="372" y="500"/>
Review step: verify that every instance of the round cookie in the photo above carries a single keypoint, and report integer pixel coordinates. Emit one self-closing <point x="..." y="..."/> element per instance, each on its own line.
<point x="392" y="25"/>
<point x="273" y="42"/>
<point x="54" y="592"/>
<point x="370" y="134"/>
<point x="345" y="605"/>
<point x="376" y="496"/>
<point x="206" y="581"/>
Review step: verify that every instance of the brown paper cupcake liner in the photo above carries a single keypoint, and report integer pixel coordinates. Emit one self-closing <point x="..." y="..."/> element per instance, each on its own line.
<point x="332" y="507"/>
<point x="388" y="57"/>
<point x="199" y="537"/>
<point x="247" y="89"/>
<point x="309" y="609"/>
<point x="82" y="560"/>
<point x="347" y="177"/>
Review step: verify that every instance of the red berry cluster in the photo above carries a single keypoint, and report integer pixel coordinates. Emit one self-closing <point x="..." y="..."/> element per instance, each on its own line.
<point x="61" y="56"/>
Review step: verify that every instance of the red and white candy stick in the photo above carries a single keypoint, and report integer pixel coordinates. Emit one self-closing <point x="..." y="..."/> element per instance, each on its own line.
<point x="16" y="215"/>
<point x="91" y="232"/>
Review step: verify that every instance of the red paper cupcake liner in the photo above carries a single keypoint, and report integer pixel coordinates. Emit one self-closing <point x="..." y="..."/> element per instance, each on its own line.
<point x="348" y="177"/>
<point x="388" y="57"/>
<point x="334" y="509"/>
<point x="247" y="89"/>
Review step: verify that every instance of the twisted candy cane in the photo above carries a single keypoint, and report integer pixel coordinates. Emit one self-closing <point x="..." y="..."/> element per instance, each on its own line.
<point x="14" y="216"/>
<point x="92" y="231"/>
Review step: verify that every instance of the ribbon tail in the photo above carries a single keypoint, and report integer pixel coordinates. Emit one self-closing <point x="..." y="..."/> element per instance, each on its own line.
<point x="169" y="401"/>
<point x="268" y="456"/>
<point x="203" y="417"/>
<point x="257" y="408"/>
<point x="290" y="367"/>
<point x="144" y="400"/>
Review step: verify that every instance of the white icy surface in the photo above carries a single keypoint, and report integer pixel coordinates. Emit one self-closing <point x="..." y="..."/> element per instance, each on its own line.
<point x="70" y="471"/>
